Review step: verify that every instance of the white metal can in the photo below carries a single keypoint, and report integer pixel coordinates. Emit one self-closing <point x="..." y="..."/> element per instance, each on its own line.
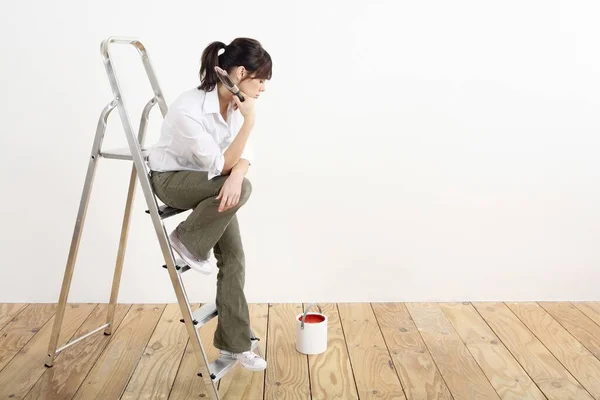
<point x="311" y="332"/>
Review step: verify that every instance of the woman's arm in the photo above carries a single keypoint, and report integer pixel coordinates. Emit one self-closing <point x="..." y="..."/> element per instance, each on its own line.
<point x="236" y="148"/>
<point x="232" y="188"/>
<point x="240" y="169"/>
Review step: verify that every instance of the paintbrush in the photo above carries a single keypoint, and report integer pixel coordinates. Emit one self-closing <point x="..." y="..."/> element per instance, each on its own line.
<point x="228" y="83"/>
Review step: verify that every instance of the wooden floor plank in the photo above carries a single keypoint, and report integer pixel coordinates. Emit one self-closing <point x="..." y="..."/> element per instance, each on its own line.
<point x="155" y="373"/>
<point x="72" y="365"/>
<point x="287" y="374"/>
<point x="331" y="372"/>
<point x="9" y="310"/>
<point x="394" y="349"/>
<point x="17" y="332"/>
<point x="241" y="383"/>
<point x="418" y="373"/>
<point x="577" y="323"/>
<point x="24" y="370"/>
<point x="544" y="369"/>
<point x="461" y="372"/>
<point x="109" y="376"/>
<point x="187" y="383"/>
<point x="573" y="355"/>
<point x="376" y="377"/>
<point x="591" y="309"/>
<point x="506" y="375"/>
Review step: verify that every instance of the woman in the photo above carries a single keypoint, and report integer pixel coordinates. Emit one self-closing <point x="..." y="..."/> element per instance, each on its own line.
<point x="200" y="163"/>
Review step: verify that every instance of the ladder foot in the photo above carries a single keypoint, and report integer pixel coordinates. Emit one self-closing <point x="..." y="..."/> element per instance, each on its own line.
<point x="47" y="366"/>
<point x="106" y="334"/>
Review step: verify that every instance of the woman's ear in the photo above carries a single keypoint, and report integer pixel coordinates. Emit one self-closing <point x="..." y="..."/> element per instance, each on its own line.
<point x="241" y="73"/>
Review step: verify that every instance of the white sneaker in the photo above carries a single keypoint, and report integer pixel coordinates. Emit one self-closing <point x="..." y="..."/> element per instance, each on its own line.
<point x="248" y="359"/>
<point x="202" y="266"/>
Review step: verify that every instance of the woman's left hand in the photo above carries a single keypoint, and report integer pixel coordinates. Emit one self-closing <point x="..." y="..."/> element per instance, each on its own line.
<point x="230" y="193"/>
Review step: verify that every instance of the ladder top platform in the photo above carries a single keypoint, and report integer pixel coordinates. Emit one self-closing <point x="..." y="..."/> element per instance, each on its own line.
<point x="123" y="154"/>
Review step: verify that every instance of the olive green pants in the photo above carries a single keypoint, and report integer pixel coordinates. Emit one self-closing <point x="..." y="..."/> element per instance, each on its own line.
<point x="204" y="229"/>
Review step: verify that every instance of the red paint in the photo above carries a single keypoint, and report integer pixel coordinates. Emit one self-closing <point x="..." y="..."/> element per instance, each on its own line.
<point x="312" y="318"/>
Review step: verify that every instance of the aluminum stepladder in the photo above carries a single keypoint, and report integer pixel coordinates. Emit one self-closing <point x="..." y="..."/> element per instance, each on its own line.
<point x="211" y="373"/>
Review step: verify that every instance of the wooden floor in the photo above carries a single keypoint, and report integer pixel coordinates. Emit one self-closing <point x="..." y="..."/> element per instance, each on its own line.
<point x="375" y="351"/>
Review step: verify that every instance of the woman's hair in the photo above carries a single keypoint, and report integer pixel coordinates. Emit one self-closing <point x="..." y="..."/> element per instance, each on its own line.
<point x="244" y="52"/>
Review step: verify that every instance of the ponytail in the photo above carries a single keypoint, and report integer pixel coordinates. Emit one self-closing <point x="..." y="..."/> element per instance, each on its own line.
<point x="210" y="59"/>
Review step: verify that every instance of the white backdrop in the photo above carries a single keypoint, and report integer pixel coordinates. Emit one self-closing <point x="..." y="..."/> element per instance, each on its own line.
<point x="406" y="151"/>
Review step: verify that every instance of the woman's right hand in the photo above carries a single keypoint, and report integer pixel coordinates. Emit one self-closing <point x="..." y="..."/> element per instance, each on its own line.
<point x="246" y="107"/>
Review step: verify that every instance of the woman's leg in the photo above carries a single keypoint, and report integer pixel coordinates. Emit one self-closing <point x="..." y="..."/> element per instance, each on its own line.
<point x="192" y="189"/>
<point x="233" y="324"/>
<point x="206" y="228"/>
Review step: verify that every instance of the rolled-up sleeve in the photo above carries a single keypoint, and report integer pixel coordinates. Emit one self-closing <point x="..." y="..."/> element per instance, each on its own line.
<point x="198" y="146"/>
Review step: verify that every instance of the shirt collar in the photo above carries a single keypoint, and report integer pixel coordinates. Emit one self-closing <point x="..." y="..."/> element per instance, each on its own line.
<point x="211" y="102"/>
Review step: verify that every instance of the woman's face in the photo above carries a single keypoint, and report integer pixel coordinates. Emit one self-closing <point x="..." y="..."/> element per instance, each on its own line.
<point x="249" y="85"/>
<point x="253" y="87"/>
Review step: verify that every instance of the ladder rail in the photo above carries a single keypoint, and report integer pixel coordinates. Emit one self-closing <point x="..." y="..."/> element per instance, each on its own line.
<point x="126" y="221"/>
<point x="124" y="233"/>
<point x="142" y="173"/>
<point x="105" y="51"/>
<point x="80" y="221"/>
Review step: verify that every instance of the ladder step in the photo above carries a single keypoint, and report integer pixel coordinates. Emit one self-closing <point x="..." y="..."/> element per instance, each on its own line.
<point x="122" y="154"/>
<point x="204" y="314"/>
<point x="165" y="211"/>
<point x="221" y="366"/>
<point x="180" y="266"/>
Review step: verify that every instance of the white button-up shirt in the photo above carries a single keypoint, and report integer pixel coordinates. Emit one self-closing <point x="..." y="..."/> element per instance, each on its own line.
<point x="194" y="135"/>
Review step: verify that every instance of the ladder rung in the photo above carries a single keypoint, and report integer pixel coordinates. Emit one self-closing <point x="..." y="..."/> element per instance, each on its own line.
<point x="221" y="366"/>
<point x="204" y="314"/>
<point x="165" y="211"/>
<point x="180" y="266"/>
<point x="122" y="154"/>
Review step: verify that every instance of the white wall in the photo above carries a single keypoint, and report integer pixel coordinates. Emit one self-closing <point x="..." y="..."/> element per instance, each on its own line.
<point x="407" y="151"/>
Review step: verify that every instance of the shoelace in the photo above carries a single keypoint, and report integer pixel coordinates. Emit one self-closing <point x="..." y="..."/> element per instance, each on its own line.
<point x="250" y="354"/>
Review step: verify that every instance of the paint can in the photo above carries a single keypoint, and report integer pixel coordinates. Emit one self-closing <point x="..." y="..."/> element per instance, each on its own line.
<point x="311" y="332"/>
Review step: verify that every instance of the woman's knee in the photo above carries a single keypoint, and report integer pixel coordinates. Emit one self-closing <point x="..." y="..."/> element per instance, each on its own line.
<point x="246" y="190"/>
